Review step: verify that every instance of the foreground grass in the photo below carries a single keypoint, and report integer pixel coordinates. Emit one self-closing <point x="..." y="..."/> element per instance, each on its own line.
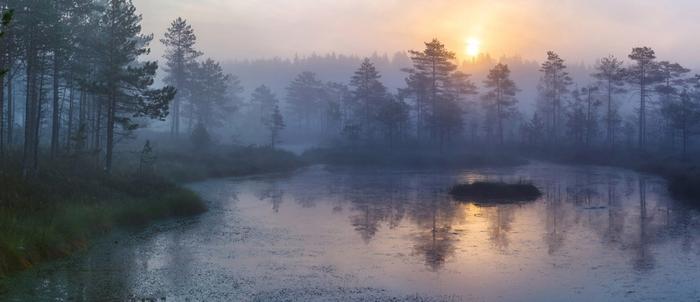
<point x="56" y="214"/>
<point x="72" y="202"/>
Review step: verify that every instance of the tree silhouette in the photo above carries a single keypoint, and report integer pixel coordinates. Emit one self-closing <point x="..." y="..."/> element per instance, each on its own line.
<point x="500" y="98"/>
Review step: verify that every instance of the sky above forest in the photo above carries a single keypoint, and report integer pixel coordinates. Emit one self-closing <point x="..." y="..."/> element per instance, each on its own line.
<point x="579" y="30"/>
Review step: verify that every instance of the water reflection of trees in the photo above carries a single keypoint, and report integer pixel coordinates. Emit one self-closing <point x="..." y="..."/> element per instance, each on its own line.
<point x="555" y="218"/>
<point x="500" y="226"/>
<point x="644" y="260"/>
<point x="272" y="192"/>
<point x="366" y="218"/>
<point x="613" y="204"/>
<point x="434" y="214"/>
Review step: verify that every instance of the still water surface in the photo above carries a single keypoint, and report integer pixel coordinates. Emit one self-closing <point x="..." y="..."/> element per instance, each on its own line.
<point x="597" y="234"/>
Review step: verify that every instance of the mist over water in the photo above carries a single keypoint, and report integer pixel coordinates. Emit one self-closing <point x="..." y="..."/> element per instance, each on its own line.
<point x="362" y="150"/>
<point x="353" y="234"/>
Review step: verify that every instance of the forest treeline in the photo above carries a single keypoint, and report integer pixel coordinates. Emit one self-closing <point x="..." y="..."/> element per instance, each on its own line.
<point x="76" y="84"/>
<point x="631" y="103"/>
<point x="76" y="89"/>
<point x="81" y="84"/>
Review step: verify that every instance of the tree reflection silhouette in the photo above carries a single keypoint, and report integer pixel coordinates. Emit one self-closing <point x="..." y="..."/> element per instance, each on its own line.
<point x="644" y="260"/>
<point x="434" y="215"/>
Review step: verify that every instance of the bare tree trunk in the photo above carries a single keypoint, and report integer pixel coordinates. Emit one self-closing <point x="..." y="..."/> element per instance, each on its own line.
<point x="37" y="123"/>
<point x="642" y="110"/>
<point x="175" y="127"/>
<point x="608" y="119"/>
<point x="499" y="100"/>
<point x="55" y="123"/>
<point x="111" y="108"/>
<point x="69" y="127"/>
<point x="30" y="108"/>
<point x="2" y="122"/>
<point x="589" y="118"/>
<point x="10" y="113"/>
<point x="684" y="125"/>
<point x="82" y="123"/>
<point x="97" y="124"/>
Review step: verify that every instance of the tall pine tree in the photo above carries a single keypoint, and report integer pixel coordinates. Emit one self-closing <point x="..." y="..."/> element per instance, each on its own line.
<point x="500" y="97"/>
<point x="610" y="75"/>
<point x="434" y="65"/>
<point x="212" y="94"/>
<point x="554" y="85"/>
<point x="643" y="74"/>
<point x="180" y="54"/>
<point x="124" y="82"/>
<point x="369" y="93"/>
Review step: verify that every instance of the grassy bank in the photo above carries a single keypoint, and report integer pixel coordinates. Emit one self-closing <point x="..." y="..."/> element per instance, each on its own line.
<point x="71" y="201"/>
<point x="58" y="212"/>
<point x="225" y="162"/>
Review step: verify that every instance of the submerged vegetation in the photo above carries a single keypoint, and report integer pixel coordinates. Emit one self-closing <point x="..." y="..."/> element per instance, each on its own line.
<point x="482" y="191"/>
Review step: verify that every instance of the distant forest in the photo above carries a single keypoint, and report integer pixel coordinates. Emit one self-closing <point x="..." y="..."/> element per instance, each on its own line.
<point x="76" y="85"/>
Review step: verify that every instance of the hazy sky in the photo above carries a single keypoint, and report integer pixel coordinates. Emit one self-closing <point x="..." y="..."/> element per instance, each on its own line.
<point x="580" y="30"/>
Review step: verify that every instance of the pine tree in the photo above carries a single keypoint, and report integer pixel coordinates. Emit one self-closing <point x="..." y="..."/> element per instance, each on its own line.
<point x="212" y="94"/>
<point x="339" y="107"/>
<point x="576" y="118"/>
<point x="501" y="95"/>
<point x="180" y="55"/>
<point x="304" y="97"/>
<point x="275" y="124"/>
<point x="33" y="31"/>
<point x="535" y="130"/>
<point x="9" y="53"/>
<point x="124" y="81"/>
<point x="147" y="160"/>
<point x="642" y="74"/>
<point x="435" y="64"/>
<point x="5" y="18"/>
<point x="264" y="102"/>
<point x="58" y="46"/>
<point x="683" y="114"/>
<point x="554" y="84"/>
<point x="588" y="100"/>
<point x="418" y="87"/>
<point x="200" y="137"/>
<point x="369" y="92"/>
<point x="672" y="82"/>
<point x="393" y="116"/>
<point x="610" y="74"/>
<point x="79" y="67"/>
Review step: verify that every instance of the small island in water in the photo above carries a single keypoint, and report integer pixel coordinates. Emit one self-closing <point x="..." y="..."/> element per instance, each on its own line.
<point x="484" y="191"/>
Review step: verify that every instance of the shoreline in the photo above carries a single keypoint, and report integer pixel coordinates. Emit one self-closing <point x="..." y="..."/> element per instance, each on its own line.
<point x="173" y="200"/>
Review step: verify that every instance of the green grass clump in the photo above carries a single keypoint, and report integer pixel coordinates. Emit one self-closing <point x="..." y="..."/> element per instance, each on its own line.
<point x="56" y="214"/>
<point x="495" y="192"/>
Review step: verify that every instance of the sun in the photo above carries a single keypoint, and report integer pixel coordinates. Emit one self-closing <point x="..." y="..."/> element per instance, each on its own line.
<point x="473" y="47"/>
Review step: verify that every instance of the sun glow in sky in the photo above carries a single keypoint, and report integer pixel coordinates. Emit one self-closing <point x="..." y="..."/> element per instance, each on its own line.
<point x="473" y="47"/>
<point x="579" y="30"/>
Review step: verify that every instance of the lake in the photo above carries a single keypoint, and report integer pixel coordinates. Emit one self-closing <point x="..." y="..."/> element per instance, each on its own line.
<point x="367" y="234"/>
